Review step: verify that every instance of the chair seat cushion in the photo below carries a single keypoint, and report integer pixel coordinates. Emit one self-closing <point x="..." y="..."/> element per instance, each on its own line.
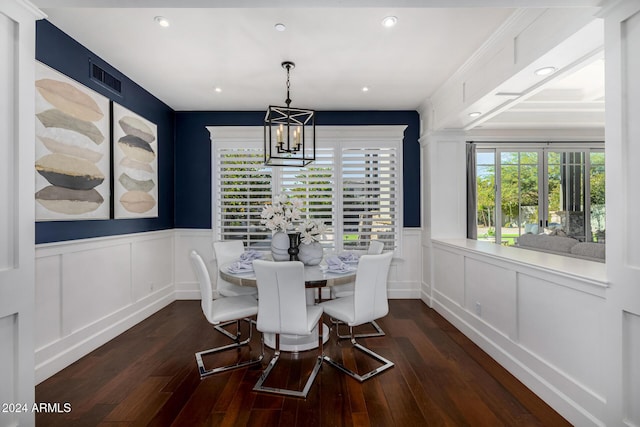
<point x="232" y="308"/>
<point x="231" y="290"/>
<point x="341" y="309"/>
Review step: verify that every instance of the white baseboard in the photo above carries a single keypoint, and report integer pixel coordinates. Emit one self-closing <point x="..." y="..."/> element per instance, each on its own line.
<point x="187" y="291"/>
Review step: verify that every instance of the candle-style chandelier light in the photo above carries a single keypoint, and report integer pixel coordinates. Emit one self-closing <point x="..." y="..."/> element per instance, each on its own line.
<point x="289" y="133"/>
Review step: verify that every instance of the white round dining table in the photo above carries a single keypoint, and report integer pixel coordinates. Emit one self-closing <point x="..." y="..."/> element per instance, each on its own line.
<point x="315" y="276"/>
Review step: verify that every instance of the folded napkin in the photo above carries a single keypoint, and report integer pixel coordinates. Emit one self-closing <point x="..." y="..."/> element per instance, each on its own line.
<point x="249" y="255"/>
<point x="240" y="267"/>
<point x="349" y="257"/>
<point x="335" y="264"/>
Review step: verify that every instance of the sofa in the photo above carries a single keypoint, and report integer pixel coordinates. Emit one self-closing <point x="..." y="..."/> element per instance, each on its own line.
<point x="562" y="245"/>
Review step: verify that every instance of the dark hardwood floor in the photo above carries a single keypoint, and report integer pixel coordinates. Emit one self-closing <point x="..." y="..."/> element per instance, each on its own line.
<point x="148" y="377"/>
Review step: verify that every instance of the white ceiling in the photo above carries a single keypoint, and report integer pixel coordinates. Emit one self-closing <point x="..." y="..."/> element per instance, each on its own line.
<point x="337" y="51"/>
<point x="571" y="101"/>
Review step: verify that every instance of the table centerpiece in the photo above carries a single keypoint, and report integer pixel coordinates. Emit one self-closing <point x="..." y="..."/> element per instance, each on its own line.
<point x="279" y="217"/>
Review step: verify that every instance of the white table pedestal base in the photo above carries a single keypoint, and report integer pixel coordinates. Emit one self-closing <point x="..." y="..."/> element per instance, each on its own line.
<point x="297" y="342"/>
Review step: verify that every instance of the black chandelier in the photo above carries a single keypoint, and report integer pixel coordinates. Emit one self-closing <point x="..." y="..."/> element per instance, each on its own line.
<point x="289" y="133"/>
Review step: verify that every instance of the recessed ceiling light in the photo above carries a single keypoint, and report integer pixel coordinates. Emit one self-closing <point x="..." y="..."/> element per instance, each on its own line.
<point x="280" y="27"/>
<point x="545" y="71"/>
<point x="475" y="114"/>
<point x="365" y="89"/>
<point x="218" y="89"/>
<point x="389" y="21"/>
<point x="162" y="21"/>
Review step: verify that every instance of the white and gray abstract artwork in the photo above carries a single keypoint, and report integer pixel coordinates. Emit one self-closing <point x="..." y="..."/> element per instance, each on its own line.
<point x="72" y="149"/>
<point x="135" y="165"/>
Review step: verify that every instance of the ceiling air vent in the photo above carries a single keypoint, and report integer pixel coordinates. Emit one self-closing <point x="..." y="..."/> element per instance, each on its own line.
<point x="106" y="79"/>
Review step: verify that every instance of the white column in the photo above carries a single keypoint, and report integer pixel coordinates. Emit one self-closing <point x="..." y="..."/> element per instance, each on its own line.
<point x="17" y="240"/>
<point x="425" y="188"/>
<point x="621" y="373"/>
<point x="446" y="171"/>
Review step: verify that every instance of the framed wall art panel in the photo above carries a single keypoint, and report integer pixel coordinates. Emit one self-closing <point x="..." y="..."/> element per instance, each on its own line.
<point x="135" y="165"/>
<point x="72" y="149"/>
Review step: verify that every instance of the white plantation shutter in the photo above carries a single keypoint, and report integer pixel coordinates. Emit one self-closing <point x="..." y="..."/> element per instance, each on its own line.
<point x="354" y="185"/>
<point x="316" y="185"/>
<point x="370" y="196"/>
<point x="243" y="187"/>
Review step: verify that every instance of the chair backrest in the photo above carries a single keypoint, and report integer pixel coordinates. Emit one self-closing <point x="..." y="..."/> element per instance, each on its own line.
<point x="375" y="247"/>
<point x="282" y="302"/>
<point x="225" y="252"/>
<point x="206" y="294"/>
<point x="370" y="289"/>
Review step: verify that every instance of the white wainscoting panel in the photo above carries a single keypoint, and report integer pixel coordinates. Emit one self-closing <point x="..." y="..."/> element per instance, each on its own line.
<point x="490" y="293"/>
<point x="151" y="266"/>
<point x="562" y="327"/>
<point x="8" y="338"/>
<point x="95" y="283"/>
<point x="187" y="240"/>
<point x="631" y="362"/>
<point x="425" y="286"/>
<point x="48" y="300"/>
<point x="89" y="291"/>
<point x="405" y="275"/>
<point x="544" y="326"/>
<point x="448" y="276"/>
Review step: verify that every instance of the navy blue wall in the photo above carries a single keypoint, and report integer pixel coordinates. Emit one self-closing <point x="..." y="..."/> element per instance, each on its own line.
<point x="61" y="52"/>
<point x="193" y="157"/>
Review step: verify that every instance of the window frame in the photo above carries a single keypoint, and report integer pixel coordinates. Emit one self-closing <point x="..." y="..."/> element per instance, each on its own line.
<point x="337" y="137"/>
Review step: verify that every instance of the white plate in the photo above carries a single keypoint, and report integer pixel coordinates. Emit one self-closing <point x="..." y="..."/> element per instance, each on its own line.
<point x="342" y="271"/>
<point x="243" y="270"/>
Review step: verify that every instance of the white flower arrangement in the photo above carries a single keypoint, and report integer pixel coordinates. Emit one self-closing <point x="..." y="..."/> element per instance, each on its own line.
<point x="281" y="213"/>
<point x="311" y="230"/>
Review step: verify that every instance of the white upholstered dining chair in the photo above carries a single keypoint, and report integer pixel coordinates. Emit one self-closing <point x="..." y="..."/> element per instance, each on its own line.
<point x="283" y="309"/>
<point x="229" y="251"/>
<point x="223" y="311"/>
<point x="375" y="248"/>
<point x="368" y="302"/>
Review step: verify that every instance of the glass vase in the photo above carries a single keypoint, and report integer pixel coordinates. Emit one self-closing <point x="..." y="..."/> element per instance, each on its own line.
<point x="294" y="242"/>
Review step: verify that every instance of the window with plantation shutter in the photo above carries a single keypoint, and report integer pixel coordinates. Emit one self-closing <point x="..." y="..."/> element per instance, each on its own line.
<point x="243" y="187"/>
<point x="370" y="189"/>
<point x="354" y="185"/>
<point x="315" y="184"/>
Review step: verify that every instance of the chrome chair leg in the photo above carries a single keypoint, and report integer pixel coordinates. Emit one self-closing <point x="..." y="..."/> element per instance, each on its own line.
<point x="379" y="332"/>
<point x="276" y="355"/>
<point x="204" y="372"/>
<point x="221" y="328"/>
<point x="386" y="364"/>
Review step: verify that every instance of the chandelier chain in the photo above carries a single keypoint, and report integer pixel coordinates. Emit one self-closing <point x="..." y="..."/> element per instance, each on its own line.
<point x="288" y="100"/>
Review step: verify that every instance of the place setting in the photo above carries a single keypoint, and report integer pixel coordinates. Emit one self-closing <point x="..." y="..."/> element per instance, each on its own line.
<point x="245" y="263"/>
<point x="346" y="262"/>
